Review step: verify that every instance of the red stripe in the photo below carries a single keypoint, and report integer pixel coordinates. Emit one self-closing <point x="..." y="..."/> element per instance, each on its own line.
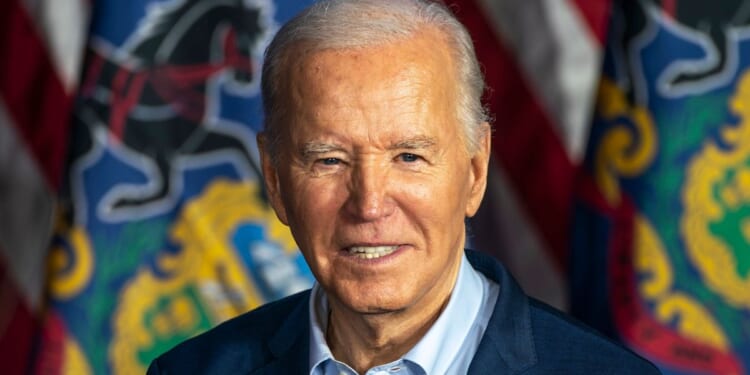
<point x="50" y="353"/>
<point x="525" y="141"/>
<point x="597" y="14"/>
<point x="33" y="94"/>
<point x="17" y="327"/>
<point x="670" y="7"/>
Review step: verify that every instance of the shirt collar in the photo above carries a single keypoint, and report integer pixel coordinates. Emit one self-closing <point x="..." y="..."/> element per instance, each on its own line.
<point x="319" y="350"/>
<point x="442" y="342"/>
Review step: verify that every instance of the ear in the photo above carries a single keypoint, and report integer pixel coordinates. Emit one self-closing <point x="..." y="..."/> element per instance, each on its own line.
<point x="479" y="168"/>
<point x="271" y="178"/>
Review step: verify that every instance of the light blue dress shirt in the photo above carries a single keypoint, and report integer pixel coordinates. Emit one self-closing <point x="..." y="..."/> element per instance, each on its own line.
<point x="448" y="346"/>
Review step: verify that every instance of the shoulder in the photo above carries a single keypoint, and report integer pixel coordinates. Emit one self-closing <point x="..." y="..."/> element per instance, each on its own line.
<point x="531" y="337"/>
<point x="237" y="345"/>
<point x="564" y="344"/>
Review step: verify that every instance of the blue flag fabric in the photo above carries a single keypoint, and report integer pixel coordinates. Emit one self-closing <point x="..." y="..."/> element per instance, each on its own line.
<point x="660" y="245"/>
<point x="165" y="230"/>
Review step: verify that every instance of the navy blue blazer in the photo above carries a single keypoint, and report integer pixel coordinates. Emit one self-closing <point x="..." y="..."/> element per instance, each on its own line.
<point x="523" y="336"/>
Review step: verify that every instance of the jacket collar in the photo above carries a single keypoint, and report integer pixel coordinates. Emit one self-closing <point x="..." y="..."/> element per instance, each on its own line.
<point x="508" y="335"/>
<point x="289" y="345"/>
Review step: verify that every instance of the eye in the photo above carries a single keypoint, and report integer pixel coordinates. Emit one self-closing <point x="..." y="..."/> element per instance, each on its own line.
<point x="330" y="161"/>
<point x="409" y="158"/>
<point x="324" y="165"/>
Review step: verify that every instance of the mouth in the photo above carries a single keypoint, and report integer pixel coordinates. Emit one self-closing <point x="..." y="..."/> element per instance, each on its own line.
<point x="371" y="252"/>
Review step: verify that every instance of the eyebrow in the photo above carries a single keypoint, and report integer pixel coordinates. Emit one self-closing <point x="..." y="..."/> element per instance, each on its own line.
<point x="313" y="148"/>
<point x="416" y="143"/>
<point x="310" y="149"/>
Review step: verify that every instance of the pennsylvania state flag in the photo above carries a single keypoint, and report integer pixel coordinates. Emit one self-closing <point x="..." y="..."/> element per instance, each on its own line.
<point x="164" y="230"/>
<point x="661" y="256"/>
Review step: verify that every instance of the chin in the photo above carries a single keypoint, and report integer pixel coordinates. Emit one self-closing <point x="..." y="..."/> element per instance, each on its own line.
<point x="379" y="305"/>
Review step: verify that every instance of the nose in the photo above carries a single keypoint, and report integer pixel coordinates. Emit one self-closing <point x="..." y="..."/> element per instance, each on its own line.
<point x="369" y="198"/>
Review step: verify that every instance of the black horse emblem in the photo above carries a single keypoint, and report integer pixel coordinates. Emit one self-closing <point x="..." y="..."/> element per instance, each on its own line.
<point x="151" y="95"/>
<point x="715" y="20"/>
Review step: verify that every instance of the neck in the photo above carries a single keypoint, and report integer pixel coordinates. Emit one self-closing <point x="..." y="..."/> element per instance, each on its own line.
<point x="365" y="340"/>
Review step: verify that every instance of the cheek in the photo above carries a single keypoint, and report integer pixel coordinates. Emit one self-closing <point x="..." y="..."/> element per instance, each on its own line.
<point x="438" y="201"/>
<point x="312" y="206"/>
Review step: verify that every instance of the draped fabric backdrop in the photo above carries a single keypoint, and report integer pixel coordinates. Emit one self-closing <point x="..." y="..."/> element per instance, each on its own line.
<point x="132" y="218"/>
<point x="160" y="229"/>
<point x="661" y="237"/>
<point x="40" y="58"/>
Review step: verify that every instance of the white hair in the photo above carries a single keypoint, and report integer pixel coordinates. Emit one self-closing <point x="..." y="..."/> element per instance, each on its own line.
<point x="342" y="24"/>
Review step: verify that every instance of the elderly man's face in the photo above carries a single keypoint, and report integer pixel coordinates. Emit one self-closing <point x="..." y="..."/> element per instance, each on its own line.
<point x="374" y="178"/>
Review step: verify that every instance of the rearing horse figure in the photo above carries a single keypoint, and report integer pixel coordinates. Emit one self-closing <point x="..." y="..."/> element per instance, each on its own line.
<point x="153" y="98"/>
<point x="714" y="20"/>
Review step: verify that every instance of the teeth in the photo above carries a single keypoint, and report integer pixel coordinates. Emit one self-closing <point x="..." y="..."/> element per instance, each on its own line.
<point x="371" y="252"/>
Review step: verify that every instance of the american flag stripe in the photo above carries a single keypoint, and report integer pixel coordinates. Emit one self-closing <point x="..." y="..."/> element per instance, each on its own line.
<point x="559" y="58"/>
<point x="34" y="94"/>
<point x="62" y="25"/>
<point x="26" y="208"/>
<point x="17" y="325"/>
<point x="541" y="127"/>
<point x="39" y="41"/>
<point x="596" y="15"/>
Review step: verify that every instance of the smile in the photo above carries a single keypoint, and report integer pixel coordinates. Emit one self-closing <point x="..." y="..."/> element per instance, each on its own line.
<point x="371" y="252"/>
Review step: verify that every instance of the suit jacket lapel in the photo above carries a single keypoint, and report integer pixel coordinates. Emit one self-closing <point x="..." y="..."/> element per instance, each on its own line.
<point x="506" y="348"/>
<point x="293" y="361"/>
<point x="508" y="345"/>
<point x="290" y="344"/>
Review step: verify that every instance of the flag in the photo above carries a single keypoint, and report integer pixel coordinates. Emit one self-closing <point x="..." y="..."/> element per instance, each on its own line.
<point x="662" y="213"/>
<point x="162" y="229"/>
<point x="541" y="62"/>
<point x="619" y="192"/>
<point x="41" y="47"/>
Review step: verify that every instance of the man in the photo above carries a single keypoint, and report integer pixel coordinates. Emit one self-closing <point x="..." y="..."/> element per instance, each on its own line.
<point x="375" y="151"/>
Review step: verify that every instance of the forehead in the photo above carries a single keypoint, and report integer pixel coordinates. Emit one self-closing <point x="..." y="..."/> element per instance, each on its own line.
<point x="408" y="79"/>
<point x="425" y="50"/>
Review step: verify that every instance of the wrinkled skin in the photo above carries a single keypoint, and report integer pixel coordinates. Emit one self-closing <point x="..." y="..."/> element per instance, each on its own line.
<point x="372" y="155"/>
